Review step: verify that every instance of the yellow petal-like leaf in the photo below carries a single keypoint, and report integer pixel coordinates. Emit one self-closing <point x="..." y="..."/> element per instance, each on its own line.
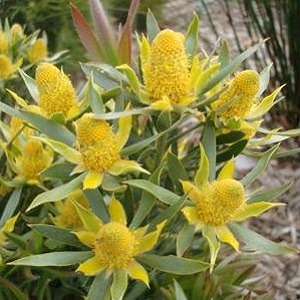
<point x="125" y="166"/>
<point x="148" y="241"/>
<point x="92" y="180"/>
<point x="116" y="211"/>
<point x="164" y="104"/>
<point x="226" y="236"/>
<point x="125" y="124"/>
<point x="137" y="271"/>
<point x="86" y="237"/>
<point x="131" y="76"/>
<point x="227" y="170"/>
<point x="254" y="210"/>
<point x="201" y="177"/>
<point x="190" y="214"/>
<point x="18" y="99"/>
<point x="91" y="267"/>
<point x="192" y="191"/>
<point x="89" y="219"/>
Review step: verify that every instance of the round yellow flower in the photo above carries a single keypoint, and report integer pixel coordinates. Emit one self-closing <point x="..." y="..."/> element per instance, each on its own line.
<point x="242" y="90"/>
<point x="56" y="93"/>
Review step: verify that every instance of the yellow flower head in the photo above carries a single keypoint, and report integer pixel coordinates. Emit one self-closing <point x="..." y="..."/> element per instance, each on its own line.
<point x="97" y="143"/>
<point x="110" y="242"/>
<point x="38" y="51"/>
<point x="242" y="89"/>
<point x="6" y="67"/>
<point x="115" y="246"/>
<point x="68" y="216"/>
<point x="16" y="125"/>
<point x="56" y="93"/>
<point x="166" y="68"/>
<point x="7" y="227"/>
<point x="3" y="43"/>
<point x="17" y="31"/>
<point x="219" y="201"/>
<point x="34" y="160"/>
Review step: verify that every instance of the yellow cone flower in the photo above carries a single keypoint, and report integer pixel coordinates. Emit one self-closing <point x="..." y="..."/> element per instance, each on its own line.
<point x="68" y="217"/>
<point x="33" y="161"/>
<point x="3" y="43"/>
<point x="217" y="203"/>
<point x="56" y="93"/>
<point x="98" y="149"/>
<point x="166" y="68"/>
<point x="115" y="246"/>
<point x="38" y="51"/>
<point x="242" y="91"/>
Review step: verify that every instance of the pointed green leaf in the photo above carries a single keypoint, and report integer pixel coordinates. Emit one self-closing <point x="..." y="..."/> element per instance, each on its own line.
<point x="57" y="259"/>
<point x="258" y="242"/>
<point x="100" y="287"/>
<point x="184" y="239"/>
<point x="58" y="171"/>
<point x="232" y="151"/>
<point x="160" y="193"/>
<point x="173" y="264"/>
<point x="11" y="206"/>
<point x="224" y="56"/>
<point x="260" y="166"/>
<point x="119" y="284"/>
<point x="264" y="78"/>
<point x="176" y="169"/>
<point x="231" y="137"/>
<point x="4" y="283"/>
<point x="94" y="96"/>
<point x="61" y="235"/>
<point x="214" y="244"/>
<point x="31" y="85"/>
<point x="191" y="41"/>
<point x="132" y="78"/>
<point x="271" y="194"/>
<point x="152" y="26"/>
<point x="57" y="193"/>
<point x="179" y="294"/>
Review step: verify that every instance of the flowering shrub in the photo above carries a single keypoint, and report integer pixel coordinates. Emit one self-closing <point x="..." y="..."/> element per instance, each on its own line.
<point x="108" y="193"/>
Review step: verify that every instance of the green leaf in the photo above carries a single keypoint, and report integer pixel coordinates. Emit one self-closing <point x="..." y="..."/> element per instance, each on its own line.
<point x="120" y="114"/>
<point x="264" y="78"/>
<point x="100" y="287"/>
<point x="179" y="294"/>
<point x="258" y="242"/>
<point x="160" y="193"/>
<point x="260" y="166"/>
<point x="173" y="264"/>
<point x="49" y="127"/>
<point x="209" y="146"/>
<point x="202" y="174"/>
<point x="214" y="244"/>
<point x="4" y="283"/>
<point x="229" y="69"/>
<point x="62" y="235"/>
<point x="57" y="193"/>
<point x="271" y="194"/>
<point x="176" y="169"/>
<point x="147" y="201"/>
<point x="119" y="284"/>
<point x="152" y="26"/>
<point x="224" y="56"/>
<point x="232" y="151"/>
<point x="231" y="137"/>
<point x="94" y="96"/>
<point x="191" y="41"/>
<point x="97" y="204"/>
<point x="31" y="85"/>
<point x="184" y="239"/>
<point x="57" y="259"/>
<point x="58" y="171"/>
<point x="11" y="206"/>
<point x="132" y="78"/>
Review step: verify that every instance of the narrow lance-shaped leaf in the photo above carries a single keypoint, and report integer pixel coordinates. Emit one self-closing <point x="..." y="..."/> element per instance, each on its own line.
<point x="178" y="291"/>
<point x="125" y="41"/>
<point x="184" y="239"/>
<point x="31" y="85"/>
<point x="191" y="41"/>
<point x="94" y="96"/>
<point x="100" y="287"/>
<point x="152" y="26"/>
<point x="119" y="284"/>
<point x="85" y="33"/>
<point x="202" y="174"/>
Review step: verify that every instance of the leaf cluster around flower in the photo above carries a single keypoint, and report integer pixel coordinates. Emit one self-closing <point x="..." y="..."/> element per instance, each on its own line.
<point x="134" y="135"/>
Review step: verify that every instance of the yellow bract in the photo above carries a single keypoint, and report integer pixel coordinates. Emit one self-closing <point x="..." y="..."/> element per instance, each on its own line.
<point x="56" y="93"/>
<point x="6" y="67"/>
<point x="17" y="31"/>
<point x="3" y="43"/>
<point x="242" y="91"/>
<point x="38" y="51"/>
